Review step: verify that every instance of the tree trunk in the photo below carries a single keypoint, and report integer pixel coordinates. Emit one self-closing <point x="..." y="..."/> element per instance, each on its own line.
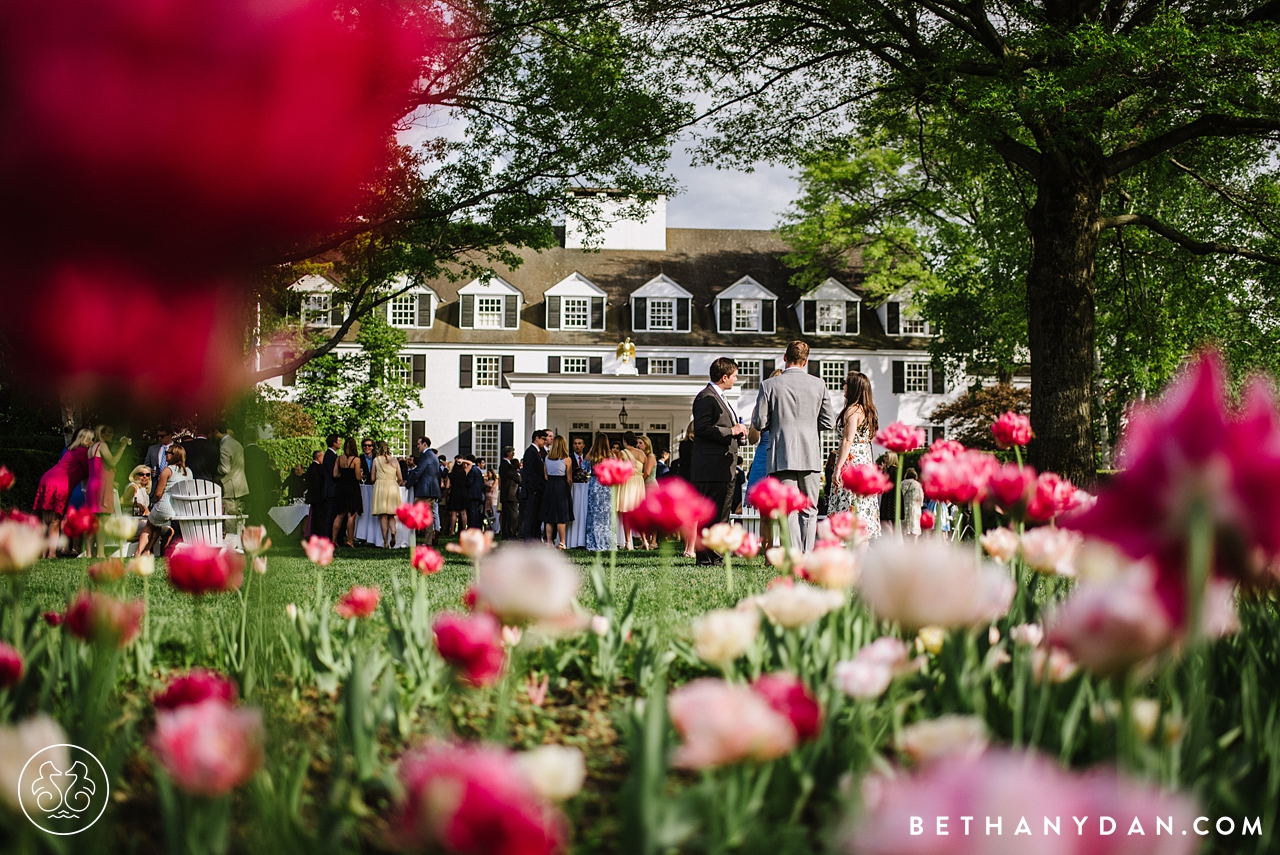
<point x="1060" y="309"/>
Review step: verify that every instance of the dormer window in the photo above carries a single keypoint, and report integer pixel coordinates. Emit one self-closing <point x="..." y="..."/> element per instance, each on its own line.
<point x="660" y="305"/>
<point x="575" y="304"/>
<point x="413" y="309"/>
<point x="746" y="316"/>
<point x="830" y="309"/>
<point x="319" y="304"/>
<point x="903" y="318"/>
<point x="745" y="307"/>
<point x="662" y="313"/>
<point x="489" y="311"/>
<point x="492" y="304"/>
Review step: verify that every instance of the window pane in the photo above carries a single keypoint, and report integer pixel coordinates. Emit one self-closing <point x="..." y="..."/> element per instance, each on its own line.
<point x="662" y="366"/>
<point x="489" y="313"/>
<point x="746" y="315"/>
<point x="575" y="313"/>
<point x="917" y="376"/>
<point x="404" y="311"/>
<point x="484" y="441"/>
<point x="830" y="316"/>
<point x="403" y="368"/>
<point x="662" y="314"/>
<point x="573" y="365"/>
<point x="914" y="326"/>
<point x="749" y="373"/>
<point x="486" y="370"/>
<point x="833" y="375"/>
<point x="830" y="443"/>
<point x="315" y="309"/>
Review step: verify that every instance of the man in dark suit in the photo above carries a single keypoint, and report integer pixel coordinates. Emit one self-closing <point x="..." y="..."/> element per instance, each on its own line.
<point x="330" y="460"/>
<point x="533" y="480"/>
<point x="717" y="433"/>
<point x="202" y="457"/>
<point x="424" y="480"/>
<point x="262" y="478"/>
<point x="315" y="494"/>
<point x="508" y="494"/>
<point x="157" y="458"/>
<point x="475" y="492"/>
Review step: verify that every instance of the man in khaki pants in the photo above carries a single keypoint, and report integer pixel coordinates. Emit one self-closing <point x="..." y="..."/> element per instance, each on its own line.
<point x="235" y="488"/>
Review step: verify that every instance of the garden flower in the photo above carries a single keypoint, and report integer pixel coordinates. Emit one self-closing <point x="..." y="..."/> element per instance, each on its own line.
<point x="1111" y="627"/>
<point x="1051" y="550"/>
<point x="119" y="527"/>
<point x="793" y="606"/>
<point x="1010" y="485"/>
<point x="474" y="800"/>
<point x="21" y="544"/>
<point x="832" y="567"/>
<point x="722" y="723"/>
<point x="6" y="478"/>
<point x="53" y="618"/>
<point x="926" y="520"/>
<point x="933" y="583"/>
<point x="612" y="472"/>
<point x="865" y="480"/>
<point x="777" y="556"/>
<point x="1012" y="429"/>
<point x="775" y="499"/>
<point x="724" y="538"/>
<point x="291" y="611"/>
<point x="750" y="546"/>
<point x="1000" y="543"/>
<point x="426" y="560"/>
<point x="79" y="522"/>
<point x="359" y="602"/>
<point x="873" y="668"/>
<point x="845" y="526"/>
<point x="555" y="772"/>
<point x="788" y="695"/>
<point x="319" y="550"/>
<point x="960" y="478"/>
<point x="1029" y="634"/>
<point x="199" y="569"/>
<point x="12" y="667"/>
<point x="941" y="449"/>
<point x="415" y="515"/>
<point x="721" y="636"/>
<point x="930" y="739"/>
<point x="1057" y="663"/>
<point x="208" y="748"/>
<point x="670" y="507"/>
<point x="193" y="687"/>
<point x="1017" y="787"/>
<point x="260" y="564"/>
<point x="472" y="543"/>
<point x="106" y="572"/>
<point x="527" y="583"/>
<point x="254" y="540"/>
<point x="1052" y="496"/>
<point x="900" y="437"/>
<point x="102" y="619"/>
<point x="600" y="625"/>
<point x="142" y="565"/>
<point x="472" y="644"/>
<point x="511" y="635"/>
<point x="930" y="639"/>
<point x="18" y="743"/>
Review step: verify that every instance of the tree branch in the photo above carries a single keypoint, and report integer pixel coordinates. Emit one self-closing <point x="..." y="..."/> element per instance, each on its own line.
<point x="1209" y="125"/>
<point x="1020" y="153"/>
<point x="1195" y="247"/>
<point x="333" y="341"/>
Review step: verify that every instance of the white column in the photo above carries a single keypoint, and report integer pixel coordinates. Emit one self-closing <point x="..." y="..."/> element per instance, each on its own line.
<point x="539" y="413"/>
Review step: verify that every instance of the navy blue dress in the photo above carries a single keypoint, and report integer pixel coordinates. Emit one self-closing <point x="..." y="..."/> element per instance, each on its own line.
<point x="599" y="509"/>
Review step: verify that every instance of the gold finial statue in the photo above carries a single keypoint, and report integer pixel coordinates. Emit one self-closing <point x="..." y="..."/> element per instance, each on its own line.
<point x="627" y="351"/>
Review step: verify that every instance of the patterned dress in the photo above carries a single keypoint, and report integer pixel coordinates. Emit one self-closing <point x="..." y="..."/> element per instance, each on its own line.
<point x="842" y="499"/>
<point x="599" y="508"/>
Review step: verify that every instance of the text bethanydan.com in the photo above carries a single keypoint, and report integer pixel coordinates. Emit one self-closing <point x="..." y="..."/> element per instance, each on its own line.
<point x="1105" y="826"/>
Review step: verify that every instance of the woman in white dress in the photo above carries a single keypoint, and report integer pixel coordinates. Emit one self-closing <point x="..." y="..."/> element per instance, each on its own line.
<point x="159" y="522"/>
<point x="858" y="423"/>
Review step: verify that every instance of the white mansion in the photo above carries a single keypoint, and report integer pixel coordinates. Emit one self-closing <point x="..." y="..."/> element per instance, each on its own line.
<point x="537" y="346"/>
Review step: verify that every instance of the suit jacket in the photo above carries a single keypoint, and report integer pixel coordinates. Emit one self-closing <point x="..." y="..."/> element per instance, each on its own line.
<point x="424" y="478"/>
<point x="231" y="468"/>
<point x="315" y="483"/>
<point x="715" y="448"/>
<point x="795" y="408"/>
<point x="475" y="484"/>
<point x="533" y="476"/>
<point x="261" y="476"/>
<point x="508" y="480"/>
<point x="684" y="463"/>
<point x="202" y="459"/>
<point x="330" y="483"/>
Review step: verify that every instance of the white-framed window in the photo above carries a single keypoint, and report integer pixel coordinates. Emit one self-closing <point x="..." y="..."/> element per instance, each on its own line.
<point x="833" y="374"/>
<point x="662" y="313"/>
<point x="403" y="311"/>
<point x="830" y="443"/>
<point x="915" y="326"/>
<point x="315" y="309"/>
<point x="607" y="426"/>
<point x="747" y="453"/>
<point x="830" y="316"/>
<point x="580" y="426"/>
<point x="485" y="439"/>
<point x="575" y="313"/>
<point x="403" y="369"/>
<point x="573" y="365"/>
<point x="746" y="315"/>
<point x="631" y="426"/>
<point x="916" y="376"/>
<point x="487" y="369"/>
<point x="488" y="313"/>
<point x="662" y="366"/>
<point x="658" y="426"/>
<point x="749" y="373"/>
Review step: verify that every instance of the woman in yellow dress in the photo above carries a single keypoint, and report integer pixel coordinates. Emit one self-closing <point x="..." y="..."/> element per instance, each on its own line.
<point x="386" y="492"/>
<point x="631" y="493"/>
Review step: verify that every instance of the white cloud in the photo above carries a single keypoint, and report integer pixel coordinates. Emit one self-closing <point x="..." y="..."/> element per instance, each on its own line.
<point x="727" y="199"/>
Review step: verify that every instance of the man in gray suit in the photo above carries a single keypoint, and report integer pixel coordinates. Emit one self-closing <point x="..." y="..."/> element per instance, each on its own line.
<point x="235" y="488"/>
<point x="795" y="408"/>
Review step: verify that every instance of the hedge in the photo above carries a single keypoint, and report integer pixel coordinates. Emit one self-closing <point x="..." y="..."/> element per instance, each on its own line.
<point x="288" y="452"/>
<point x="27" y="465"/>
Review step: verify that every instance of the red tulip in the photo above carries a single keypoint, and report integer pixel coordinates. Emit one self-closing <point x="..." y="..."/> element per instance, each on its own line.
<point x="12" y="667"/>
<point x="359" y="602"/>
<point x="208" y="748"/>
<point x="193" y="687"/>
<point x="53" y="618"/>
<point x="1010" y="484"/>
<point x="612" y="472"/>
<point x="472" y="645"/>
<point x="788" y="694"/>
<point x="101" y="618"/>
<point x="6" y="478"/>
<point x="1052" y="496"/>
<point x="426" y="560"/>
<point x="775" y="499"/>
<point x="416" y="516"/>
<point x="198" y="569"/>
<point x="669" y="507"/>
<point x="1012" y="429"/>
<point x="79" y="522"/>
<point x="866" y="480"/>
<point x="926" y="520"/>
<point x="900" y="437"/>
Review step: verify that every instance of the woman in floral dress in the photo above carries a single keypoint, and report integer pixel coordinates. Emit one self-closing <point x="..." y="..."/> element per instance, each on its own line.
<point x="857" y="424"/>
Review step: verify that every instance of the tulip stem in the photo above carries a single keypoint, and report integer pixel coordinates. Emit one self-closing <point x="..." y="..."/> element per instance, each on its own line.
<point x="897" y="501"/>
<point x="728" y="572"/>
<point x="977" y="531"/>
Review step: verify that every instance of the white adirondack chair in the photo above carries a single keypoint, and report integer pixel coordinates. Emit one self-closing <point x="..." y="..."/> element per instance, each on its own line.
<point x="197" y="507"/>
<point x="750" y="519"/>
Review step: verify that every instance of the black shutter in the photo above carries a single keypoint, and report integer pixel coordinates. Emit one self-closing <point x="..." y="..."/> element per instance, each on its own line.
<point x="767" y="323"/>
<point x="553" y="365"/>
<point x="595" y="365"/>
<point x="682" y="314"/>
<point x="766" y="368"/>
<point x="642" y="365"/>
<point x="891" y="314"/>
<point x="640" y="314"/>
<point x="815" y="367"/>
<point x="899" y="376"/>
<point x="506" y="435"/>
<point x="417" y="430"/>
<point x="809" y="314"/>
<point x="726" y="315"/>
<point x="467" y="311"/>
<point x="424" y="310"/>
<point x="464" y="438"/>
<point x="682" y="365"/>
<point x="855" y="364"/>
<point x="420" y="370"/>
<point x="511" y="312"/>
<point x="507" y="366"/>
<point x="597" y="313"/>
<point x="936" y="433"/>
<point x="851" y="325"/>
<point x="938" y="381"/>
<point x="464" y="371"/>
<point x="553" y="313"/>
<point x="335" y="314"/>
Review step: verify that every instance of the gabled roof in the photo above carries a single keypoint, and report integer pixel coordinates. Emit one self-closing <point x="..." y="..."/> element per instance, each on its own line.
<point x="831" y="289"/>
<point x="746" y="288"/>
<point x="313" y="283"/>
<point x="661" y="285"/>
<point x="574" y="285"/>
<point x="404" y="284"/>
<point x="489" y="287"/>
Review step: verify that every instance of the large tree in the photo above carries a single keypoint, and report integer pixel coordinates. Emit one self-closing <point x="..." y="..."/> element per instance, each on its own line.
<point x="1079" y="100"/>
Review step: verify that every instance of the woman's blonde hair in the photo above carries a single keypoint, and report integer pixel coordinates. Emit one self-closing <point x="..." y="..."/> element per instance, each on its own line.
<point x="84" y="438"/>
<point x="138" y="470"/>
<point x="97" y="433"/>
<point x="382" y="449"/>
<point x="559" y="448"/>
<point x="645" y="445"/>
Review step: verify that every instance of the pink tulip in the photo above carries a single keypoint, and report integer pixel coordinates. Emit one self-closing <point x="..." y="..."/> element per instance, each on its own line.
<point x="426" y="560"/>
<point x="612" y="472"/>
<point x="254" y="540"/>
<point x="788" y="695"/>
<point x="1000" y="543"/>
<point x="900" y="437"/>
<point x="101" y="618"/>
<point x="1111" y="627"/>
<point x="521" y="583"/>
<point x="473" y="800"/>
<point x="1052" y="496"/>
<point x="6" y="478"/>
<point x="933" y="583"/>
<point x="832" y="566"/>
<point x="1012" y="429"/>
<point x="775" y="499"/>
<point x="1051" y="550"/>
<point x="199" y="569"/>
<point x="12" y="666"/>
<point x="22" y="541"/>
<point x="416" y="516"/>
<point x="473" y="543"/>
<point x="750" y="546"/>
<point x="722" y="723"/>
<point x="845" y="525"/>
<point x="106" y="572"/>
<point x="940" y="450"/>
<point x="669" y="507"/>
<point x="1010" y="485"/>
<point x="319" y="550"/>
<point x="79" y="522"/>
<point x="962" y="478"/>
<point x="359" y="602"/>
<point x="865" y="480"/>
<point x="193" y="687"/>
<point x="472" y="645"/>
<point x="208" y="748"/>
<point x="869" y="673"/>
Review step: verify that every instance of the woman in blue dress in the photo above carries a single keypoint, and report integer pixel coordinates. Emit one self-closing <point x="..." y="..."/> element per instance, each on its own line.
<point x="599" y="501"/>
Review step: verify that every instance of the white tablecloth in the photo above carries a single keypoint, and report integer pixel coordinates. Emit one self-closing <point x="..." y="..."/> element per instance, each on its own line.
<point x="369" y="528"/>
<point x="577" y="533"/>
<point x="289" y="517"/>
